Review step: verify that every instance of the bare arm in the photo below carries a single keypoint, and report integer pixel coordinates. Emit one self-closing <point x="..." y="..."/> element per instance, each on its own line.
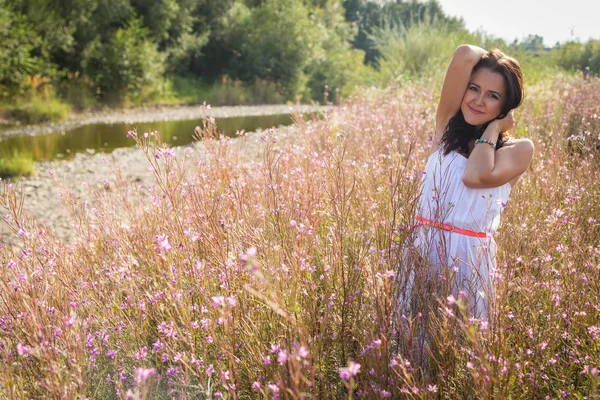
<point x="455" y="84"/>
<point x="488" y="168"/>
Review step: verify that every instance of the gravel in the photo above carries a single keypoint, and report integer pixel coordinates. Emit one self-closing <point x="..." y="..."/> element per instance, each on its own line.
<point x="42" y="192"/>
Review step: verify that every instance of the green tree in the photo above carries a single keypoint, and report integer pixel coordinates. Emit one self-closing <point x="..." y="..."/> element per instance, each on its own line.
<point x="17" y="61"/>
<point x="340" y="66"/>
<point x="277" y="40"/>
<point x="570" y="55"/>
<point x="370" y="15"/>
<point x="591" y="57"/>
<point x="66" y="27"/>
<point x="530" y="43"/>
<point x="220" y="21"/>
<point x="127" y="64"/>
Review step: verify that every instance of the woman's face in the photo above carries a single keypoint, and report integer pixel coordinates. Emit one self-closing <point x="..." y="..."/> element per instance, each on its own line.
<point x="484" y="97"/>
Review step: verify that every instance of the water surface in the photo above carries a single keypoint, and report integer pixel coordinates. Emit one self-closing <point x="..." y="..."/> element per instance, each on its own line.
<point x="107" y="137"/>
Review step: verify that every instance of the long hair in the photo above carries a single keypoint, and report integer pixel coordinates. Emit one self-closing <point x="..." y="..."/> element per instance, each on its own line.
<point x="459" y="133"/>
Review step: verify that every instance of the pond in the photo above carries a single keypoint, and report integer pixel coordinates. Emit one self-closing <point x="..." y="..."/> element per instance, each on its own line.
<point x="107" y="137"/>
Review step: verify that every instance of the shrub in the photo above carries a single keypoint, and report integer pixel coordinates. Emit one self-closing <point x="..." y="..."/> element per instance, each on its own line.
<point x="127" y="67"/>
<point x="40" y="109"/>
<point x="277" y="41"/>
<point x="14" y="164"/>
<point x="420" y="52"/>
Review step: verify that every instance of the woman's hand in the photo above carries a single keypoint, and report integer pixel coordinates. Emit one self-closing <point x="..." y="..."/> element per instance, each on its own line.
<point x="506" y="123"/>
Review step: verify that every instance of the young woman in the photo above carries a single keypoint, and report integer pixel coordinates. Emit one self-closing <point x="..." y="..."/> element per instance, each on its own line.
<point x="472" y="168"/>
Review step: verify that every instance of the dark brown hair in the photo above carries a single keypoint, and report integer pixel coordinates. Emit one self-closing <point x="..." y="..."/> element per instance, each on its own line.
<point x="458" y="133"/>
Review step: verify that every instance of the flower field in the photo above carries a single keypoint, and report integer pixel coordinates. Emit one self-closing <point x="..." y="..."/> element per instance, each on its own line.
<point x="279" y="274"/>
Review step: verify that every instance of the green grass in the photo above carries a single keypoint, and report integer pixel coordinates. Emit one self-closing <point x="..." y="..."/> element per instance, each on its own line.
<point x="16" y="164"/>
<point x="38" y="110"/>
<point x="225" y="92"/>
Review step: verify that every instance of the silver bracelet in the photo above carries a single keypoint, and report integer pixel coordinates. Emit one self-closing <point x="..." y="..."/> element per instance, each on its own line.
<point x="480" y="140"/>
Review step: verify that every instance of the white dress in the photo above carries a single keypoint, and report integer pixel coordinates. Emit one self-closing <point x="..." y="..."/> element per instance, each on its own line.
<point x="470" y="260"/>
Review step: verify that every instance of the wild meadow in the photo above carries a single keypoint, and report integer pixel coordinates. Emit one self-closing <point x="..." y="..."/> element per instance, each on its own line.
<point x="278" y="273"/>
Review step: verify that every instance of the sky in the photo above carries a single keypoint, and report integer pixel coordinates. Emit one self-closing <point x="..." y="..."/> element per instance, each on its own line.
<point x="554" y="20"/>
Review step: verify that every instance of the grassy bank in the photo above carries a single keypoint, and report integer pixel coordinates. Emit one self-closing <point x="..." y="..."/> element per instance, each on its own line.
<point x="15" y="164"/>
<point x="57" y="104"/>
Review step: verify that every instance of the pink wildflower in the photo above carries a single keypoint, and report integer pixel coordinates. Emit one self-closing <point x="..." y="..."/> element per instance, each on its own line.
<point x="162" y="243"/>
<point x="22" y="350"/>
<point x="302" y="352"/>
<point x="143" y="374"/>
<point x="350" y="371"/>
<point x="282" y="357"/>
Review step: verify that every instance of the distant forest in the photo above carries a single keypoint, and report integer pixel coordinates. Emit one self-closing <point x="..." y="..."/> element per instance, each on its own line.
<point x="86" y="52"/>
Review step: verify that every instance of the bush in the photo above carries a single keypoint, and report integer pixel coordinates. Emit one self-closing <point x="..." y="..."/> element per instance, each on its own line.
<point x="39" y="109"/>
<point x="15" y="164"/>
<point x="224" y="92"/>
<point x="277" y="41"/>
<point x="421" y="51"/>
<point x="127" y="67"/>
<point x="17" y="61"/>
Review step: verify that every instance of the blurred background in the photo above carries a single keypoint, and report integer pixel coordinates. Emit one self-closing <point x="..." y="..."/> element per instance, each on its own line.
<point x="59" y="57"/>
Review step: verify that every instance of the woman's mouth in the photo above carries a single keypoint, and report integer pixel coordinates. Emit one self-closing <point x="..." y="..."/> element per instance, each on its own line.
<point x="474" y="111"/>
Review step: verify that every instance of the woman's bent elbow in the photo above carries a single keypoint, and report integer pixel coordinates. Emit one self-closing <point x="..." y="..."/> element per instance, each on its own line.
<point x="471" y="182"/>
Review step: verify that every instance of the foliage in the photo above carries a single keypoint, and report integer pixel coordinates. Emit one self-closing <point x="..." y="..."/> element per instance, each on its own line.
<point x="41" y="109"/>
<point x="371" y="16"/>
<point x="575" y="56"/>
<point x="340" y="67"/>
<point x="15" y="164"/>
<point x="297" y="46"/>
<point x="125" y="65"/>
<point x="225" y="92"/>
<point x="420" y="51"/>
<point x="17" y="62"/>
<point x="278" y="41"/>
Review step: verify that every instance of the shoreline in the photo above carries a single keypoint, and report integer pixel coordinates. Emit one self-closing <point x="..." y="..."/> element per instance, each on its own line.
<point x="42" y="194"/>
<point x="151" y="114"/>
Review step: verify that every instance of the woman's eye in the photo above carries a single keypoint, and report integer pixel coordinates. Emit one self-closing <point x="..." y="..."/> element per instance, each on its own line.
<point x="473" y="88"/>
<point x="494" y="96"/>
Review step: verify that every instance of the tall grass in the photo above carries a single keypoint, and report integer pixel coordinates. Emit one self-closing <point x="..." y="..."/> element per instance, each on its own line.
<point x="38" y="104"/>
<point x="224" y="92"/>
<point x="37" y="110"/>
<point x="15" y="164"/>
<point x="278" y="272"/>
<point x="420" y="52"/>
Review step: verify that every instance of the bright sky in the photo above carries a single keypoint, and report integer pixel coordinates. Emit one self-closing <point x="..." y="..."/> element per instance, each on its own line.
<point x="554" y="20"/>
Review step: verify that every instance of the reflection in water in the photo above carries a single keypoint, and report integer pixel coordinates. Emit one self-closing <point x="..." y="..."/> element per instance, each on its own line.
<point x="107" y="137"/>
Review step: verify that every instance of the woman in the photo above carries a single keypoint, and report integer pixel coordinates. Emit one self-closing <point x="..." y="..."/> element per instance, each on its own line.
<point x="472" y="168"/>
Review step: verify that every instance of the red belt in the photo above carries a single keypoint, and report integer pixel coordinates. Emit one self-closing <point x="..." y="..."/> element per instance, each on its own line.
<point x="450" y="228"/>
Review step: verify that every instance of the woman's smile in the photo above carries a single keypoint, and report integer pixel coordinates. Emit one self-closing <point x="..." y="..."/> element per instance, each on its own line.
<point x="474" y="111"/>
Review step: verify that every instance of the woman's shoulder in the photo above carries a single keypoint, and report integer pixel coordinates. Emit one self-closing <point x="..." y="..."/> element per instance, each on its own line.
<point x="524" y="145"/>
<point x="518" y="151"/>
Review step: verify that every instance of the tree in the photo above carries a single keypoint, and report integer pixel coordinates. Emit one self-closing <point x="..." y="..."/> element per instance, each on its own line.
<point x="371" y="15"/>
<point x="530" y="43"/>
<point x="17" y="60"/>
<point x="277" y="40"/>
<point x="125" y="65"/>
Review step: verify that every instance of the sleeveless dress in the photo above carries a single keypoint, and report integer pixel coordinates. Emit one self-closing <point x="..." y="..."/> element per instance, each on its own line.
<point x="471" y="260"/>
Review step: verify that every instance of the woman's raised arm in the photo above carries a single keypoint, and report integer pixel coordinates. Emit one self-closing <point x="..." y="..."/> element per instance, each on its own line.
<point x="455" y="84"/>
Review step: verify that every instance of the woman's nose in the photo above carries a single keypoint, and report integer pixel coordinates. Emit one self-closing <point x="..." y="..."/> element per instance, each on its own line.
<point x="479" y="99"/>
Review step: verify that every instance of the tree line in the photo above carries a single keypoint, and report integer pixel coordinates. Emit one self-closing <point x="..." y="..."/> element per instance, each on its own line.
<point x="120" y="49"/>
<point x="126" y="47"/>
